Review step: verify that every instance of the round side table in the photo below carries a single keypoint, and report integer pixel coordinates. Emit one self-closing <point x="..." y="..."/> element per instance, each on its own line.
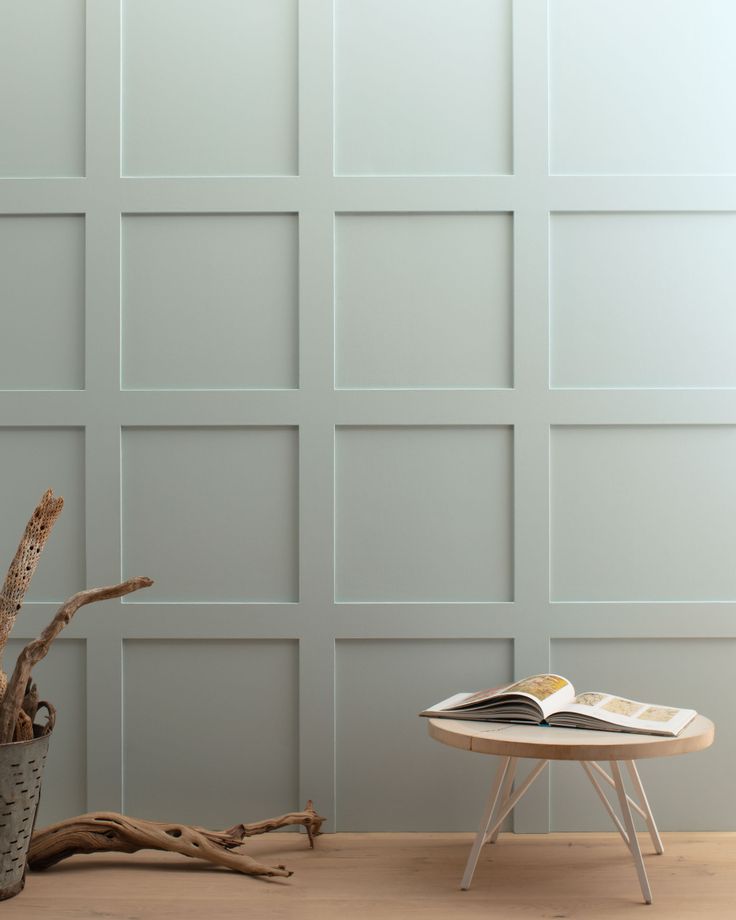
<point x="545" y="743"/>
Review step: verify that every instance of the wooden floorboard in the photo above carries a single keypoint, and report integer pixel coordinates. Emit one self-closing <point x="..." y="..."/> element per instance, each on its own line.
<point x="398" y="877"/>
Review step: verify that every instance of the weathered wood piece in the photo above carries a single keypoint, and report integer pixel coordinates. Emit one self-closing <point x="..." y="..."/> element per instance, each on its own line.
<point x="23" y="730"/>
<point x="23" y="566"/>
<point x="37" y="649"/>
<point x="309" y="819"/>
<point x="30" y="700"/>
<point x="100" y="832"/>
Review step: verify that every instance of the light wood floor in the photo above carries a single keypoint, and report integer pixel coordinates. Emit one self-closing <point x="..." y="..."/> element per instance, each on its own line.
<point x="397" y="877"/>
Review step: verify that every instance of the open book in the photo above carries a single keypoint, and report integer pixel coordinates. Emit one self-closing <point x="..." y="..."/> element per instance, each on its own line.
<point x="551" y="699"/>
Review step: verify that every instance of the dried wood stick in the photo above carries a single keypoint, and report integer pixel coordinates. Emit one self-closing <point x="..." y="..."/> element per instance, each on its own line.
<point x="30" y="700"/>
<point x="37" y="649"/>
<point x="23" y="566"/>
<point x="23" y="727"/>
<point x="309" y="819"/>
<point x="100" y="832"/>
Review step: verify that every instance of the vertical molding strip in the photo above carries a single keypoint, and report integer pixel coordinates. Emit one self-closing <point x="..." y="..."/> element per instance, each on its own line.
<point x="102" y="421"/>
<point x="316" y="423"/>
<point x="531" y="363"/>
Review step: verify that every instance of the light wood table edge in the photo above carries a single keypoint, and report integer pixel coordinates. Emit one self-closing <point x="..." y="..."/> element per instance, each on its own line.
<point x="479" y="738"/>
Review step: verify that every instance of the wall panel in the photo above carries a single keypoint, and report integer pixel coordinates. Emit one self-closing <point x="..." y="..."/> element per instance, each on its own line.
<point x="42" y="291"/>
<point x="423" y="300"/>
<point x="181" y="98"/>
<point x="393" y="340"/>
<point x="642" y="513"/>
<point x="42" y="77"/>
<point x="642" y="300"/>
<point x="661" y="113"/>
<point x="209" y="301"/>
<point x="213" y="512"/>
<point x="423" y="514"/>
<point x="391" y="775"/>
<point x="211" y="757"/>
<point x="440" y="101"/>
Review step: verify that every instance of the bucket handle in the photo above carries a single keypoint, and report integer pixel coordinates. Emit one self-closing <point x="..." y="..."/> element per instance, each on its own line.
<point x="50" y="721"/>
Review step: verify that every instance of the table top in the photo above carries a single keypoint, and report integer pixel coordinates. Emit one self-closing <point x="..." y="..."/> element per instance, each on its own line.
<point x="547" y="742"/>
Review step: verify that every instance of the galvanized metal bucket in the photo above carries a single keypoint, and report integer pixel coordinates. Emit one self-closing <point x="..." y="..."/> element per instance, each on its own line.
<point x="21" y="771"/>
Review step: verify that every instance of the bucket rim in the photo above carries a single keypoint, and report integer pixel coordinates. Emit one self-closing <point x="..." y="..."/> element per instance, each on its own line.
<point x="44" y="737"/>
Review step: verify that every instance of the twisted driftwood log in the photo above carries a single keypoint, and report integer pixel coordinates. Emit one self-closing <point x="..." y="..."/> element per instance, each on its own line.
<point x="106" y="832"/>
<point x="23" y="566"/>
<point x="20" y="686"/>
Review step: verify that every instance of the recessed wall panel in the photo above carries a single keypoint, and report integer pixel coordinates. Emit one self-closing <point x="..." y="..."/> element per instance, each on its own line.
<point x="211" y="513"/>
<point x="211" y="729"/>
<point x="391" y="776"/>
<point x="642" y="300"/>
<point x="423" y="514"/>
<point x="674" y="672"/>
<point x="215" y="95"/>
<point x="61" y="679"/>
<point x="42" y="298"/>
<point x="423" y="86"/>
<point x="643" y="513"/>
<point x="642" y="88"/>
<point x="423" y="300"/>
<point x="34" y="460"/>
<point x="210" y="301"/>
<point x="42" y="50"/>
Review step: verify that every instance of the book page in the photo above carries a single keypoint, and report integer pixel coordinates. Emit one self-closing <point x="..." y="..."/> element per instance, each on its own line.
<point x="628" y="713"/>
<point x="545" y="693"/>
<point x="457" y="699"/>
<point x="476" y="697"/>
<point x="550" y="691"/>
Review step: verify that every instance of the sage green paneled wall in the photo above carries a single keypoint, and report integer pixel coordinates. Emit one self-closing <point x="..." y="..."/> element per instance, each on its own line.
<point x="394" y="339"/>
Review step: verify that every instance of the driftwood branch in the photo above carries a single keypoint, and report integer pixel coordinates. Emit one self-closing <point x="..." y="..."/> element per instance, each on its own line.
<point x="309" y="820"/>
<point x="37" y="649"/>
<point x="104" y="832"/>
<point x="23" y="566"/>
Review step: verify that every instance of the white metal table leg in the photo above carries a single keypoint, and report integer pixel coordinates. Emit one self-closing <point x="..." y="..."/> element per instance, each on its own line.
<point x="644" y="809"/>
<point x="602" y="773"/>
<point x="604" y="799"/>
<point x="505" y="797"/>
<point x="496" y="810"/>
<point x="513" y="800"/>
<point x="648" y="816"/>
<point x="485" y="821"/>
<point x="634" y="848"/>
<point x="502" y="800"/>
